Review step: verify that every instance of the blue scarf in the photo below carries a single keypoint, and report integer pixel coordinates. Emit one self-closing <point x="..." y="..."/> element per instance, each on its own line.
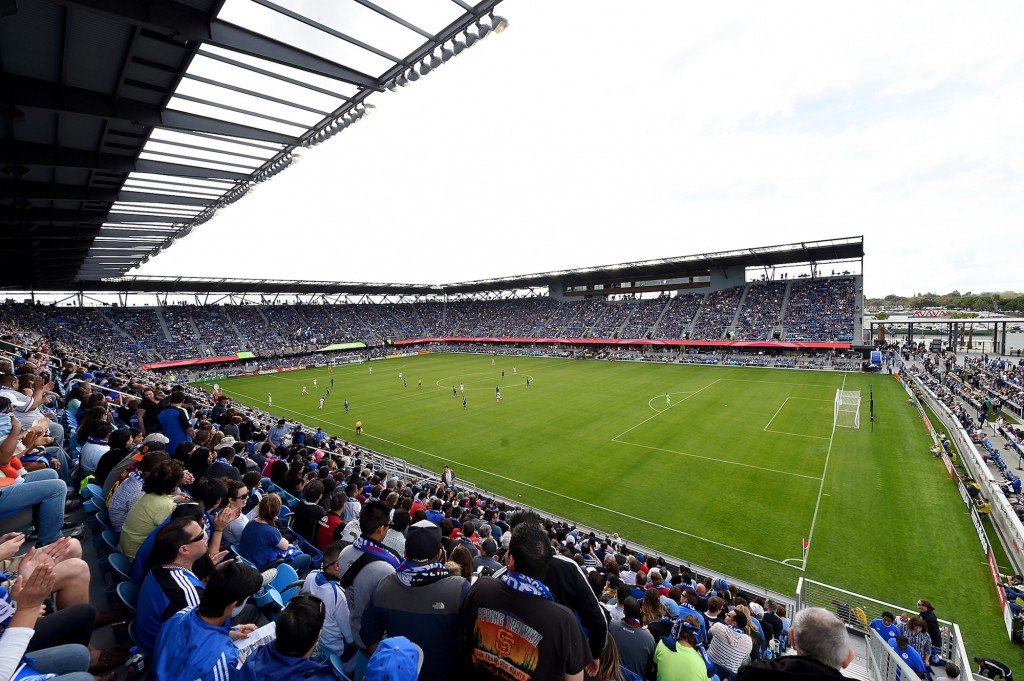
<point x="411" y="574"/>
<point x="679" y="625"/>
<point x="526" y="585"/>
<point x="373" y="548"/>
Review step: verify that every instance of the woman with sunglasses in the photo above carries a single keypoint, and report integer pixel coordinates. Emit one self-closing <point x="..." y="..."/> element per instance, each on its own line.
<point x="235" y="499"/>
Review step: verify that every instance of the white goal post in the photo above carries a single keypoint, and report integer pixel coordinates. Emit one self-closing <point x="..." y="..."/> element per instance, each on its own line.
<point x="847" y="412"/>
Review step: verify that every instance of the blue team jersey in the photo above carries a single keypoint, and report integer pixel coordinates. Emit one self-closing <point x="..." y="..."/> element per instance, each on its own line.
<point x="886" y="632"/>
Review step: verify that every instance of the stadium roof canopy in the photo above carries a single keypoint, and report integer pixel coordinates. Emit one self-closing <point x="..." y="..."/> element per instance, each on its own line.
<point x="838" y="250"/>
<point x="126" y="123"/>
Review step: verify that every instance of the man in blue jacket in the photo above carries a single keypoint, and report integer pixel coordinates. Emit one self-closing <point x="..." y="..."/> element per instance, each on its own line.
<point x="199" y="643"/>
<point x="287" y="658"/>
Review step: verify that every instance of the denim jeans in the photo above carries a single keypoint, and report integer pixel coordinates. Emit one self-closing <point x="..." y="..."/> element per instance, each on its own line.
<point x="69" y="662"/>
<point x="42" y="488"/>
<point x="56" y="431"/>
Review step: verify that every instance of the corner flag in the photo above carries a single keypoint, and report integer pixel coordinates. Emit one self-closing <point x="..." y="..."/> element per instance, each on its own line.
<point x="668" y="400"/>
<point x="806" y="544"/>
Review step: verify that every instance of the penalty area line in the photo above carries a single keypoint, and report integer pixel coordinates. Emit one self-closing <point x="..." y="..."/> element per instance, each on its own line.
<point x="711" y="458"/>
<point x="658" y="413"/>
<point x="556" y="494"/>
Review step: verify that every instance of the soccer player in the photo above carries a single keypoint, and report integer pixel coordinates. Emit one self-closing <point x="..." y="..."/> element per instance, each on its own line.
<point x="405" y="383"/>
<point x="463" y="401"/>
<point x="270" y="400"/>
<point x="359" y="427"/>
<point x="462" y="388"/>
<point x="304" y="390"/>
<point x="400" y="376"/>
<point x="371" y="371"/>
<point x="321" y="402"/>
<point x="346" y="406"/>
<point x="454" y="394"/>
<point x="332" y="378"/>
<point x="314" y="382"/>
<point x="419" y="384"/>
<point x="328" y="393"/>
<point x="513" y="371"/>
<point x="668" y="400"/>
<point x="527" y="381"/>
<point x="503" y="373"/>
<point x="497" y="393"/>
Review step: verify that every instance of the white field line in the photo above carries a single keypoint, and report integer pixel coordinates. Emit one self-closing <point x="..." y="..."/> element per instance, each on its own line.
<point x="726" y="461"/>
<point x="810" y="399"/>
<point x="817" y="504"/>
<point x="616" y="438"/>
<point x="782" y="432"/>
<point x="545" y="491"/>
<point x="781" y="406"/>
<point x="560" y="495"/>
<point x="803" y="385"/>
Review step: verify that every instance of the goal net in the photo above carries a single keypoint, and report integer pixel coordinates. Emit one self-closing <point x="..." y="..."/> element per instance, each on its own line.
<point x="847" y="413"/>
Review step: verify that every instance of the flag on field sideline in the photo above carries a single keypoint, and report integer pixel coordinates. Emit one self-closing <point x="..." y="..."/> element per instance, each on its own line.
<point x="668" y="400"/>
<point x="806" y="544"/>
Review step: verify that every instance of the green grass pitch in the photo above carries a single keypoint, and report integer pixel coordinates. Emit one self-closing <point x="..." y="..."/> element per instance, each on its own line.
<point x="740" y="468"/>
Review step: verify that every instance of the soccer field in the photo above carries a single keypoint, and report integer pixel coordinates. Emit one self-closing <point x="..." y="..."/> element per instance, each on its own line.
<point x="733" y="474"/>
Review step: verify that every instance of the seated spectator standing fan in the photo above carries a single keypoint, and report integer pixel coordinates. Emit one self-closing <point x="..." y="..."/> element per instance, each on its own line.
<point x="847" y="411"/>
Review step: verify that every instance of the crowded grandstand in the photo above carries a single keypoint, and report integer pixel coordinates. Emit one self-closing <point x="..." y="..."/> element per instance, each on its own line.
<point x="157" y="524"/>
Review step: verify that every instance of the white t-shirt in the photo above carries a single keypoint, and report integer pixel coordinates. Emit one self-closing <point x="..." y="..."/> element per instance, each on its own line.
<point x="91" y="454"/>
<point x="337" y="631"/>
<point x="20" y="401"/>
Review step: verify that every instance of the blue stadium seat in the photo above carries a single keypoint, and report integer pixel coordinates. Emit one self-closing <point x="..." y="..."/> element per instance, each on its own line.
<point x="129" y="595"/>
<point x="111" y="539"/>
<point x="121" y="566"/>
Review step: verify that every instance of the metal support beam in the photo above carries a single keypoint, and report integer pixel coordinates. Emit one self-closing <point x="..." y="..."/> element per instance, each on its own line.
<point x="65" y="99"/>
<point x="66" y="157"/>
<point x="185" y="24"/>
<point x="42" y="191"/>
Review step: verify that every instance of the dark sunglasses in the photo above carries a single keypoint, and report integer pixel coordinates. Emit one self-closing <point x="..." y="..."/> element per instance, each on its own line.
<point x="201" y="537"/>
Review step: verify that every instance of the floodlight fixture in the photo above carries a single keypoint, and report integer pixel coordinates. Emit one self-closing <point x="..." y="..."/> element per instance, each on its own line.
<point x="435" y="61"/>
<point x="368" y="109"/>
<point x="483" y="29"/>
<point x="391" y="85"/>
<point x="458" y="46"/>
<point x="424" y="68"/>
<point x="498" y="23"/>
<point x="446" y="54"/>
<point x="471" y="39"/>
<point x="401" y="80"/>
<point x="413" y="75"/>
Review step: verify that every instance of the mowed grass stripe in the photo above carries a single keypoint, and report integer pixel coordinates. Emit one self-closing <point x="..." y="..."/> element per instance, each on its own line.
<point x="890" y="523"/>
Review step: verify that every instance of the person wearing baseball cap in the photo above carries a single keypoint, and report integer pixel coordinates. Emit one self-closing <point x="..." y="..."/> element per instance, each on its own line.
<point x="154" y="442"/>
<point x="396" y="659"/>
<point x="421" y="603"/>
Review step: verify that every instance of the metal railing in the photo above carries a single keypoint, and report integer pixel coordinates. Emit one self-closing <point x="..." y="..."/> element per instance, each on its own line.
<point x="882" y="662"/>
<point x="1003" y="517"/>
<point x="857" y="610"/>
<point x="404" y="470"/>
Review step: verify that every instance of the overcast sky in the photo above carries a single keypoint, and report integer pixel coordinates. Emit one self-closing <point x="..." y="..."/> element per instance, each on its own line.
<point x="595" y="133"/>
